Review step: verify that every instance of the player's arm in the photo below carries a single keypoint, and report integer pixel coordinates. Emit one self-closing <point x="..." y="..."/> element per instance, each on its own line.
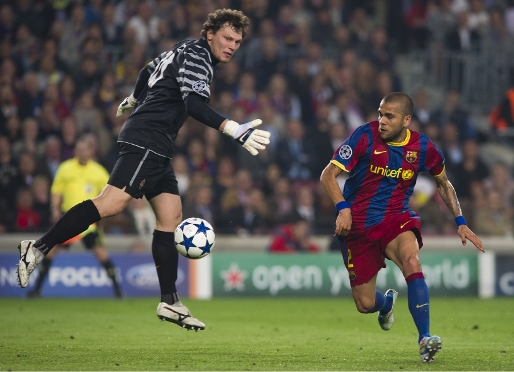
<point x="130" y="102"/>
<point x="328" y="180"/>
<point x="245" y="134"/>
<point x="449" y="196"/>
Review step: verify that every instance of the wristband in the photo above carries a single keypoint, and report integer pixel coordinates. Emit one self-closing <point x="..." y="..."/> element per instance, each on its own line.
<point x="342" y="205"/>
<point x="459" y="220"/>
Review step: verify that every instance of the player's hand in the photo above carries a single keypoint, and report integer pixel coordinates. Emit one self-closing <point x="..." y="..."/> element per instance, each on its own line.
<point x="343" y="222"/>
<point x="250" y="138"/>
<point x="126" y="105"/>
<point x="466" y="233"/>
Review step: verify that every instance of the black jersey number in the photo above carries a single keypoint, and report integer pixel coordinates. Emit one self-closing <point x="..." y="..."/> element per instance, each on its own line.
<point x="158" y="73"/>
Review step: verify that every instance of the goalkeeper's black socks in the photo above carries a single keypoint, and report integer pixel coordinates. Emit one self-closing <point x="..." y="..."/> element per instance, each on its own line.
<point x="72" y="223"/>
<point x="171" y="299"/>
<point x="165" y="256"/>
<point x="111" y="273"/>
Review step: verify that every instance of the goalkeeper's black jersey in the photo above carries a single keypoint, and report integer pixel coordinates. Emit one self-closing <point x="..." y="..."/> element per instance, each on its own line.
<point x="186" y="68"/>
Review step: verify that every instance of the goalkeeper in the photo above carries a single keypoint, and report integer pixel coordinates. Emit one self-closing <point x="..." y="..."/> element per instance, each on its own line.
<point x="172" y="87"/>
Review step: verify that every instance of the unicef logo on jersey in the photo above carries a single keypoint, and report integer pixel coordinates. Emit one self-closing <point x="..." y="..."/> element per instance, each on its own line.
<point x="345" y="152"/>
<point x="199" y="86"/>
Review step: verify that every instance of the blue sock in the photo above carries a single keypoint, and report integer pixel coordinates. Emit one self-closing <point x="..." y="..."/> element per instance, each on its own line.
<point x="382" y="303"/>
<point x="419" y="303"/>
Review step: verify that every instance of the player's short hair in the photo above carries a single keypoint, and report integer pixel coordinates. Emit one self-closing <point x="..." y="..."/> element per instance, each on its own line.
<point x="404" y="100"/>
<point x="217" y="19"/>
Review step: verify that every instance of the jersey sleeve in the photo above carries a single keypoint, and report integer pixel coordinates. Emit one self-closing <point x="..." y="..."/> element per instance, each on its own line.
<point x="351" y="150"/>
<point x="195" y="73"/>
<point x="434" y="161"/>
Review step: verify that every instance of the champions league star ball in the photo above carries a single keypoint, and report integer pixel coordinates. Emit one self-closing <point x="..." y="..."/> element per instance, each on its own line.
<point x="194" y="238"/>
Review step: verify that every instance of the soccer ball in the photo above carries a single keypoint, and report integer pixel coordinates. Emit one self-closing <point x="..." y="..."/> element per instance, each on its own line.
<point x="194" y="238"/>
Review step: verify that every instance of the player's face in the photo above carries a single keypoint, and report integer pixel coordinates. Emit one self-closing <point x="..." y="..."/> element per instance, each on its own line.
<point x="392" y="122"/>
<point x="224" y="43"/>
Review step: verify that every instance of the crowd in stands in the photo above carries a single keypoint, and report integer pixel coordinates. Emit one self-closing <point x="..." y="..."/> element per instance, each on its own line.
<point x="312" y="70"/>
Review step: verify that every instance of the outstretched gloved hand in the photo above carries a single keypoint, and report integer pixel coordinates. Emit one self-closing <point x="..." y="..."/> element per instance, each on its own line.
<point x="126" y="105"/>
<point x="250" y="138"/>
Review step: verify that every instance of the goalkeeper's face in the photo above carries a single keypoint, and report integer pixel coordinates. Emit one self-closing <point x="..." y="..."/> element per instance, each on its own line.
<point x="224" y="43"/>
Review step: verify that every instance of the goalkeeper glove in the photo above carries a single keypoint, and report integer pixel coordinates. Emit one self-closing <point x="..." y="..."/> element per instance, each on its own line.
<point x="126" y="105"/>
<point x="252" y="139"/>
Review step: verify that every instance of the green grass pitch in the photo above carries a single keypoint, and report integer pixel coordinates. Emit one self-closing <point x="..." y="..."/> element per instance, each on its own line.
<point x="250" y="334"/>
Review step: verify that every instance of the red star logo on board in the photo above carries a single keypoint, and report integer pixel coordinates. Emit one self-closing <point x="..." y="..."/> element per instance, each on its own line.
<point x="234" y="277"/>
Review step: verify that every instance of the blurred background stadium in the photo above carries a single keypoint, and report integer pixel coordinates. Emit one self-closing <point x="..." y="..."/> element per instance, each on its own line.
<point x="312" y="70"/>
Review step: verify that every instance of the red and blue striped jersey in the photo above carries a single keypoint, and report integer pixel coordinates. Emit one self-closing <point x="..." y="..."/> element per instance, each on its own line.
<point x="382" y="174"/>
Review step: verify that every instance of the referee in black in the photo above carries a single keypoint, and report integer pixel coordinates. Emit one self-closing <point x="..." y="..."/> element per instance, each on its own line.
<point x="176" y="85"/>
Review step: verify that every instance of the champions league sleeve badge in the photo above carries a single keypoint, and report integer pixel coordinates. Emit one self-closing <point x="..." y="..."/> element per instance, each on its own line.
<point x="199" y="86"/>
<point x="345" y="152"/>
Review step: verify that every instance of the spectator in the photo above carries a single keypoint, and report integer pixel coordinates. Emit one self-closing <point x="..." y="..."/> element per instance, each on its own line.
<point x="462" y="38"/>
<point x="497" y="35"/>
<point x="48" y="163"/>
<point x="494" y="219"/>
<point x="144" y="218"/>
<point x="269" y="63"/>
<point x="30" y="97"/>
<point x="7" y="22"/>
<point x="245" y="94"/>
<point x="88" y="117"/>
<point x="478" y="17"/>
<point x="378" y="51"/>
<point x="27" y="219"/>
<point x="197" y="160"/>
<point x="293" y="238"/>
<point x="73" y="34"/>
<point x="416" y="21"/>
<point x="227" y="79"/>
<point x="224" y="179"/>
<point x="440" y="21"/>
<point x="344" y="111"/>
<point x="201" y="205"/>
<point x="453" y="112"/>
<point x="93" y="11"/>
<point x="305" y="206"/>
<point x="469" y="170"/>
<point x="89" y="77"/>
<point x="111" y="32"/>
<point x="284" y="102"/>
<point x="299" y="82"/>
<point x="41" y="200"/>
<point x="501" y="181"/>
<point x="271" y="177"/>
<point x="29" y="141"/>
<point x="8" y="105"/>
<point x="68" y="136"/>
<point x="26" y="46"/>
<point x="49" y="123"/>
<point x="237" y="195"/>
<point x="145" y="25"/>
<point x="422" y="110"/>
<point x="322" y="28"/>
<point x="296" y="155"/>
<point x="12" y="129"/>
<point x="452" y="148"/>
<point x="501" y="116"/>
<point x="252" y="218"/>
<point x="50" y="50"/>
<point x="281" y="203"/>
<point x="8" y="169"/>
